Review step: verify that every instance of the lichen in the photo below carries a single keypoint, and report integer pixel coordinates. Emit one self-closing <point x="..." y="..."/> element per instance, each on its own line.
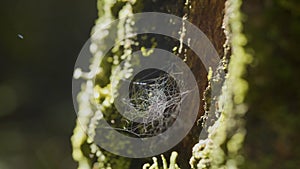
<point x="100" y="89"/>
<point x="155" y="164"/>
<point x="221" y="149"/>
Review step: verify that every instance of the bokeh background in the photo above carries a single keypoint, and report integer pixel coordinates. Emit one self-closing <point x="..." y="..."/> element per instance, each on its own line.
<point x="273" y="120"/>
<point x="36" y="110"/>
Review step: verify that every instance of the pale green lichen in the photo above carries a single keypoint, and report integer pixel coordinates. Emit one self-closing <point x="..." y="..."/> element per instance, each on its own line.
<point x="155" y="164"/>
<point x="92" y="92"/>
<point x="221" y="149"/>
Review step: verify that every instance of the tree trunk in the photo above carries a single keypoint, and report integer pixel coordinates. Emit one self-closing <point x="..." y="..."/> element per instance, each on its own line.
<point x="220" y="21"/>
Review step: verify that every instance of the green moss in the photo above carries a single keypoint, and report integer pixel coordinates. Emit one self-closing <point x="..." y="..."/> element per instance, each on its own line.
<point x="155" y="164"/>
<point x="226" y="135"/>
<point x="101" y="89"/>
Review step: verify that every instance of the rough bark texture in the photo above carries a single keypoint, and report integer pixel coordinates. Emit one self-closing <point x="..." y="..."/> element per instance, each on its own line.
<point x="208" y="17"/>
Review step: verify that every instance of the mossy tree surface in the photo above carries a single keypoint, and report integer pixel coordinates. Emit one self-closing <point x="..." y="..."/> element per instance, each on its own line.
<point x="221" y="22"/>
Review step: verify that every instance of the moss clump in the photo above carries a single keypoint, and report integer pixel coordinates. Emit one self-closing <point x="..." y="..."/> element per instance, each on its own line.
<point x="222" y="147"/>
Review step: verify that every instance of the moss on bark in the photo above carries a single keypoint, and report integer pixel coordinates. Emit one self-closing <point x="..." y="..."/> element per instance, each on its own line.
<point x="221" y="22"/>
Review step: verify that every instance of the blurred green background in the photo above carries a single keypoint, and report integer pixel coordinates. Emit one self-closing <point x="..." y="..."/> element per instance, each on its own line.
<point x="273" y="120"/>
<point x="36" y="109"/>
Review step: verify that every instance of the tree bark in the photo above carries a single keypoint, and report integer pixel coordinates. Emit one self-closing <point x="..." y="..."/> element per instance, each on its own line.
<point x="214" y="19"/>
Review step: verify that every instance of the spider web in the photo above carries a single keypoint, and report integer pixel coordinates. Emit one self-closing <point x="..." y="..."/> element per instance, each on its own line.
<point x="153" y="104"/>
